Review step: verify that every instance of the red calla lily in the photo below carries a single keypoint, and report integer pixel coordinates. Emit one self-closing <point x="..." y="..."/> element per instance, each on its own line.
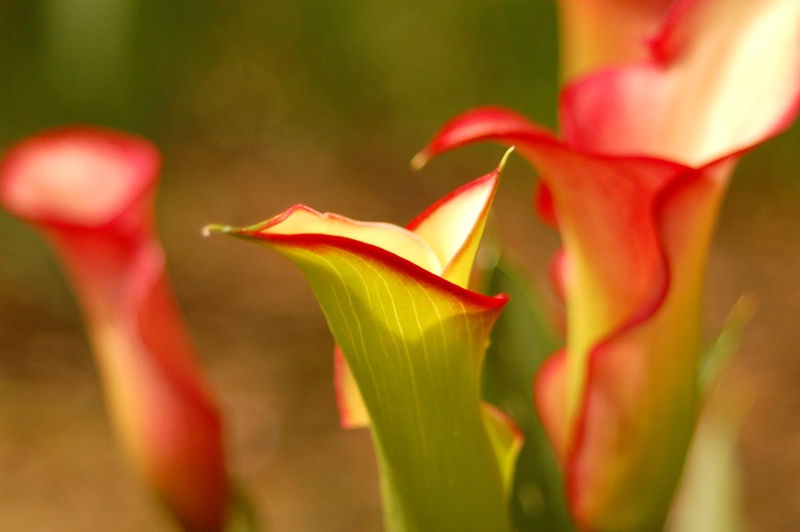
<point x="634" y="187"/>
<point x="90" y="192"/>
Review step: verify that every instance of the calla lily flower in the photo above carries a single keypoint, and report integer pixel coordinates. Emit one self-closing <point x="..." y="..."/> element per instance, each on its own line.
<point x="414" y="339"/>
<point x="90" y="192"/>
<point x="634" y="186"/>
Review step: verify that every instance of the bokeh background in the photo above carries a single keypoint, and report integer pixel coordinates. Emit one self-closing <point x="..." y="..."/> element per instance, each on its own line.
<point x="258" y="105"/>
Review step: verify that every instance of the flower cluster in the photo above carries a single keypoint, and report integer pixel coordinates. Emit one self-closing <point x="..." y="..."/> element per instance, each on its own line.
<point x="662" y="98"/>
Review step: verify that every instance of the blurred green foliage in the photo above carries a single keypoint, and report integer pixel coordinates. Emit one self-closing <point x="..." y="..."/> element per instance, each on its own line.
<point x="255" y="71"/>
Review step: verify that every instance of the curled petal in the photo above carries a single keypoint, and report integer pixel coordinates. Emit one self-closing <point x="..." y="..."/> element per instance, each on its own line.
<point x="483" y="123"/>
<point x="726" y="78"/>
<point x="453" y="226"/>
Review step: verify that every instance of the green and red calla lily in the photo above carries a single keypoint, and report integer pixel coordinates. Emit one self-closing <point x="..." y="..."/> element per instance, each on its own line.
<point x="634" y="187"/>
<point x="90" y="192"/>
<point x="414" y="340"/>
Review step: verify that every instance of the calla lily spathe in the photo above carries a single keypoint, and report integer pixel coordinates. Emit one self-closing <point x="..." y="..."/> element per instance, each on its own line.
<point x="90" y="192"/>
<point x="451" y="228"/>
<point x="634" y="186"/>
<point x="414" y="342"/>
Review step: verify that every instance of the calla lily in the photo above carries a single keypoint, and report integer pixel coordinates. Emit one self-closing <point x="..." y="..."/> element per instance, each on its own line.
<point x="414" y="342"/>
<point x="90" y="192"/>
<point x="634" y="187"/>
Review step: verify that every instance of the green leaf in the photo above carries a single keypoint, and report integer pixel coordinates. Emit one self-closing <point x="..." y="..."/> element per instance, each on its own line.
<point x="710" y="496"/>
<point x="521" y="340"/>
<point x="718" y="355"/>
<point x="242" y="516"/>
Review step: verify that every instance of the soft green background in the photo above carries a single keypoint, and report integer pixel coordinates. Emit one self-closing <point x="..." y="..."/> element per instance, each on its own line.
<point x="259" y="105"/>
<point x="249" y="73"/>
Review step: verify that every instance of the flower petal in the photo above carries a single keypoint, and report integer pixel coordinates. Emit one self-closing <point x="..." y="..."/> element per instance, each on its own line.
<point x="550" y="398"/>
<point x="482" y="123"/>
<point x="615" y="232"/>
<point x="48" y="179"/>
<point x="352" y="410"/>
<point x="727" y="77"/>
<point x="641" y="390"/>
<point x="452" y="227"/>
<point x="302" y="220"/>
<point x="600" y="33"/>
<point x="506" y="439"/>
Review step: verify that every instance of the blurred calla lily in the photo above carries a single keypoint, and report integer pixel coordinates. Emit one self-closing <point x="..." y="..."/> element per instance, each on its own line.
<point x="634" y="187"/>
<point x="90" y="192"/>
<point x="414" y="340"/>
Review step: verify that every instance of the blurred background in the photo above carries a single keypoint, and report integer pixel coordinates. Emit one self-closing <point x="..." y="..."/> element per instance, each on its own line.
<point x="257" y="105"/>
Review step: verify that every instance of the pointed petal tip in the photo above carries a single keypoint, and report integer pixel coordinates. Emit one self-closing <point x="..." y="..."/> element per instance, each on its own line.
<point x="420" y="159"/>
<point x="504" y="160"/>
<point x="219" y="229"/>
<point x="747" y="306"/>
